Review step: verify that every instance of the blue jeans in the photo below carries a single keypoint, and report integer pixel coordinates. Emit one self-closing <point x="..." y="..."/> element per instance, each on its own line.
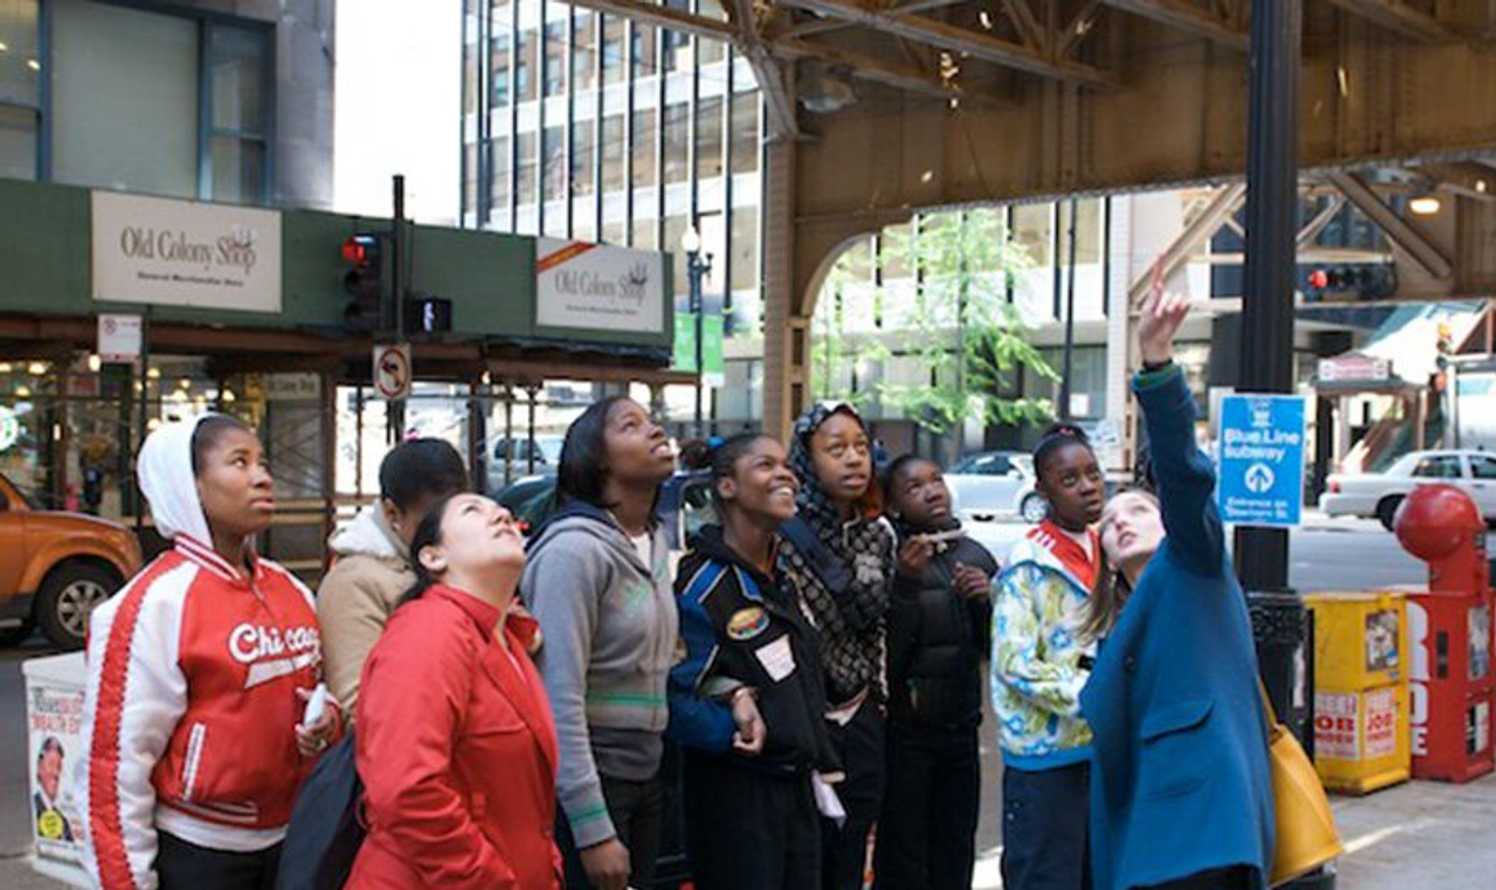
<point x="1046" y="828"/>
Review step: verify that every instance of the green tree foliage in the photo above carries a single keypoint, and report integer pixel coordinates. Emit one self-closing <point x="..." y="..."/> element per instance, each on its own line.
<point x="955" y="319"/>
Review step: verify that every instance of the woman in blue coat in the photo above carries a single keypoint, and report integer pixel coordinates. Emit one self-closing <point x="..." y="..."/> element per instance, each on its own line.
<point x="1181" y="796"/>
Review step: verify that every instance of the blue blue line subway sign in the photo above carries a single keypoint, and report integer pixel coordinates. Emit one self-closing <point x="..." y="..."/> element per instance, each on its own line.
<point x="1262" y="460"/>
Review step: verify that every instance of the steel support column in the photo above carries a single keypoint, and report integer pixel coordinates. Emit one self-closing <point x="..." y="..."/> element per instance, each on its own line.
<point x="1279" y="621"/>
<point x="1272" y="229"/>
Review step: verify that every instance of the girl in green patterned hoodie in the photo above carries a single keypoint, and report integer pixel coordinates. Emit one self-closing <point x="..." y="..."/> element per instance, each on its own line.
<point x="1038" y="670"/>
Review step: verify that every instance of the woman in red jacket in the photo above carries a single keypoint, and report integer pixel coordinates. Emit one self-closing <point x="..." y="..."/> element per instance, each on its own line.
<point x="456" y="747"/>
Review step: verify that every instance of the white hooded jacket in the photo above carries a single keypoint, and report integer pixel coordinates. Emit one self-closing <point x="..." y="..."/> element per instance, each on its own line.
<point x="191" y="704"/>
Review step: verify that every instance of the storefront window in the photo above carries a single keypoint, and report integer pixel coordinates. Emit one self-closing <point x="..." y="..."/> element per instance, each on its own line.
<point x="677" y="141"/>
<point x="745" y="140"/>
<point x="711" y="51"/>
<point x="613" y="232"/>
<point x="709" y="138"/>
<point x="644" y="148"/>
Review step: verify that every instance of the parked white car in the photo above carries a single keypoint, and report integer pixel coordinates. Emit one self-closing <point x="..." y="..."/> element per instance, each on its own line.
<point x="1378" y="495"/>
<point x="996" y="483"/>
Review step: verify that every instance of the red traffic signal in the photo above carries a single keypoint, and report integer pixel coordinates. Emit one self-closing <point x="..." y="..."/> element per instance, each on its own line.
<point x="1318" y="279"/>
<point x="361" y="249"/>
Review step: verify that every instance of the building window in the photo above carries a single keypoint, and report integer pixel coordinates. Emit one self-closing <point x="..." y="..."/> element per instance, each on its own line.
<point x="709" y="138"/>
<point x="20" y="73"/>
<point x="499" y="165"/>
<point x="744" y="248"/>
<point x="677" y="142"/>
<point x="677" y="44"/>
<point x="133" y="109"/>
<point x="711" y="51"/>
<point x="612" y="140"/>
<point x="499" y="78"/>
<point x="524" y="169"/>
<point x="745" y="139"/>
<point x="239" y="91"/>
<point x="470" y="79"/>
<point x="555" y="59"/>
<point x="615" y="32"/>
<point x="524" y="66"/>
<point x="613" y="232"/>
<point x="644" y="51"/>
<point x="553" y="150"/>
<point x="642" y="234"/>
<point x="581" y="158"/>
<point x="675" y="228"/>
<point x="644" y="148"/>
<point x="584" y="50"/>
<point x="470" y="177"/>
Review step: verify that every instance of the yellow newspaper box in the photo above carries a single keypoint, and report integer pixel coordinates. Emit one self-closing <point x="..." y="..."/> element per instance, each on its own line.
<point x="1361" y="734"/>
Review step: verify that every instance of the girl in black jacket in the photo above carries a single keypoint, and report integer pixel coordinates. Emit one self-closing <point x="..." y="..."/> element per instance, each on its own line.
<point x="938" y="629"/>
<point x="746" y="703"/>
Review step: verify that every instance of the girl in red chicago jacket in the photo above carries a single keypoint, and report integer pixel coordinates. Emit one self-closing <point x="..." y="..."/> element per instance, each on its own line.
<point x="198" y="674"/>
<point x="456" y="746"/>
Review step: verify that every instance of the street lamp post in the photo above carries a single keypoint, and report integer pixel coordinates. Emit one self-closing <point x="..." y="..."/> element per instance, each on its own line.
<point x="698" y="266"/>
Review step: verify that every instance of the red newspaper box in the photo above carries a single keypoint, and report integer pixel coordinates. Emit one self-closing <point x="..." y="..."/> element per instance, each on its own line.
<point x="1451" y="683"/>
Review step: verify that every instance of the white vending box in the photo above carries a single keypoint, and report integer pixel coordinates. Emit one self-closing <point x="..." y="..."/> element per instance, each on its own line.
<point x="56" y="764"/>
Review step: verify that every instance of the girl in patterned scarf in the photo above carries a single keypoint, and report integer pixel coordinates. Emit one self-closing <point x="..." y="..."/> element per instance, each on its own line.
<point x="831" y="454"/>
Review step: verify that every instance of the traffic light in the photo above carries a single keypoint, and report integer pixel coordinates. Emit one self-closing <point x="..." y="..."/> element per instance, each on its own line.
<point x="364" y="281"/>
<point x="1360" y="281"/>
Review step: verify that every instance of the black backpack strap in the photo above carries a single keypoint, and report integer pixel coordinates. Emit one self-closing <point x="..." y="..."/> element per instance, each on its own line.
<point x="832" y="572"/>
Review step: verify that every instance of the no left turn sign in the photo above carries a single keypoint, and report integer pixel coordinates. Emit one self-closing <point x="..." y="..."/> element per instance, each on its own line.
<point x="392" y="370"/>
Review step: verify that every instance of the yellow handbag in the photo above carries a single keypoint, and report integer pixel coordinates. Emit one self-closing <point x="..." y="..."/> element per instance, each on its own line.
<point x="1306" y="831"/>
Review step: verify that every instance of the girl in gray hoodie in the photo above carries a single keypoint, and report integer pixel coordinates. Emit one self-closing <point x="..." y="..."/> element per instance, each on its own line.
<point x="597" y="578"/>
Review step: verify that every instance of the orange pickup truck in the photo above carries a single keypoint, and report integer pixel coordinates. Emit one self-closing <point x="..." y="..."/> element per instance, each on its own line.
<point x="55" y="567"/>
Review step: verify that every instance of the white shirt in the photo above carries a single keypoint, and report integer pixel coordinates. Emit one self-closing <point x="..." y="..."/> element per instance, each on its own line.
<point x="644" y="545"/>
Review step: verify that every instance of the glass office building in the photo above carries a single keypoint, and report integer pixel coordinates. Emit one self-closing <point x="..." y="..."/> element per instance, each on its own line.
<point x="588" y="126"/>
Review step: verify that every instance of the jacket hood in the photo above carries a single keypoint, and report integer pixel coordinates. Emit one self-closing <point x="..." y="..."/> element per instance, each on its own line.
<point x="590" y="519"/>
<point x="164" y="469"/>
<point x="369" y="535"/>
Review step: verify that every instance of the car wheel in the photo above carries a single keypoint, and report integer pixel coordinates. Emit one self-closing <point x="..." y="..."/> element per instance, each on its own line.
<point x="1387" y="510"/>
<point x="1034" y="508"/>
<point x="68" y="596"/>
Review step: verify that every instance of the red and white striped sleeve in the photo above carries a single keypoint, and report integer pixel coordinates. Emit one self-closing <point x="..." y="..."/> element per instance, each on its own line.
<point x="136" y="694"/>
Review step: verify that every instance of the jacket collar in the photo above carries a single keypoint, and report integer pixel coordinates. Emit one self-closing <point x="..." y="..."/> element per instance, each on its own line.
<point x="517" y="683"/>
<point x="208" y="558"/>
